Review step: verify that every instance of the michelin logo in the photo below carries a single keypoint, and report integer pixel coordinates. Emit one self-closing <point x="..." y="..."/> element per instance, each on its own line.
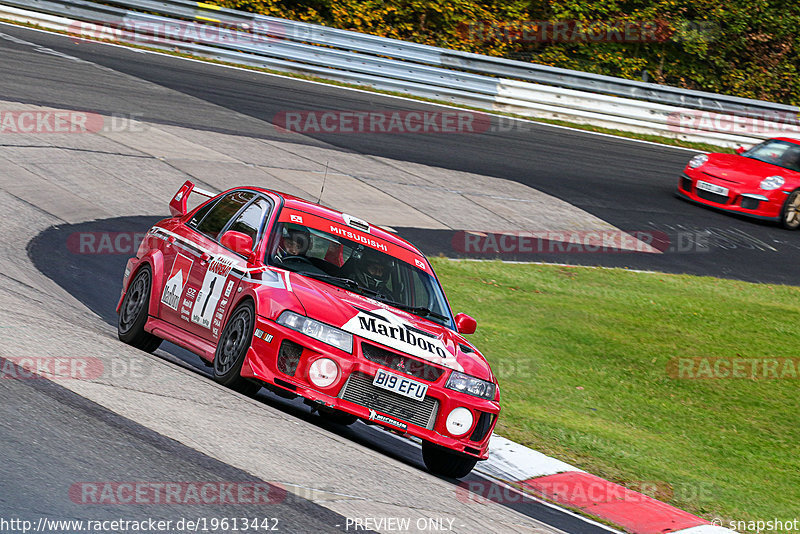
<point x="375" y="416"/>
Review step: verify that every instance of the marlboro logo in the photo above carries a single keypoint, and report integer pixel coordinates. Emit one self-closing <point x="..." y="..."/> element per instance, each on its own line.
<point x="178" y="276"/>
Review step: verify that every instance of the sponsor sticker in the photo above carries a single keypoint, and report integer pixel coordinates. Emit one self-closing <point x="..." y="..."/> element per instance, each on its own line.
<point x="205" y="305"/>
<point x="386" y="328"/>
<point x="260" y="334"/>
<point x="375" y="416"/>
<point x="178" y="276"/>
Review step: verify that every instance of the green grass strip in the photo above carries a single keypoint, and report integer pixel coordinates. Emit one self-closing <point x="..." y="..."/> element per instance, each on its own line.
<point x="586" y="360"/>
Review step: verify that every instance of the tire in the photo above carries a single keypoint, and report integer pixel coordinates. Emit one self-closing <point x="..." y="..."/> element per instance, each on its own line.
<point x="446" y="463"/>
<point x="232" y="349"/>
<point x="790" y="214"/>
<point x="133" y="313"/>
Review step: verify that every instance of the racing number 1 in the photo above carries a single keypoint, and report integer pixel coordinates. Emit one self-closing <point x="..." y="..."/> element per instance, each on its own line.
<point x="208" y="297"/>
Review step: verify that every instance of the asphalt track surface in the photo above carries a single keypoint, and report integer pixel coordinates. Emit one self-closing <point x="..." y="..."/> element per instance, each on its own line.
<point x="626" y="183"/>
<point x="629" y="184"/>
<point x="52" y="437"/>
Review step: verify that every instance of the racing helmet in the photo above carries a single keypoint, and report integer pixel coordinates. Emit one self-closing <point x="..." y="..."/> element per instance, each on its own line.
<point x="295" y="241"/>
<point x="374" y="269"/>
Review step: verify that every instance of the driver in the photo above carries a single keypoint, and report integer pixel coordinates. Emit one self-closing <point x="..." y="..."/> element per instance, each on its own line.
<point x="373" y="271"/>
<point x="295" y="241"/>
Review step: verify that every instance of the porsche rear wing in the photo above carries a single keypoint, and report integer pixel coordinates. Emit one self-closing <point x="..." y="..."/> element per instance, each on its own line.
<point x="178" y="205"/>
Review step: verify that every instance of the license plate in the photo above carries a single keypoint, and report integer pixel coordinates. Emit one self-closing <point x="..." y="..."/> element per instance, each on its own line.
<point x="711" y="188"/>
<point x="400" y="384"/>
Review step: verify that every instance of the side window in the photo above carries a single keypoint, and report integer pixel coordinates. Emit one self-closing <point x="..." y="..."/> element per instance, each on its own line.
<point x="221" y="213"/>
<point x="249" y="221"/>
<point x="198" y="216"/>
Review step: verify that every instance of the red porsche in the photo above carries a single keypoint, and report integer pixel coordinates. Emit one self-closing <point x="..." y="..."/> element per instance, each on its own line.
<point x="274" y="291"/>
<point x="763" y="182"/>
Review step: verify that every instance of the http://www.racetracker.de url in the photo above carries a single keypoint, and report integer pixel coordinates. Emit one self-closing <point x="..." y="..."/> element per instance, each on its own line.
<point x="141" y="526"/>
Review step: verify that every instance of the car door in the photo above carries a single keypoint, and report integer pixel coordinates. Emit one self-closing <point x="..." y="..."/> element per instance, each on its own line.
<point x="181" y="255"/>
<point x="216" y="276"/>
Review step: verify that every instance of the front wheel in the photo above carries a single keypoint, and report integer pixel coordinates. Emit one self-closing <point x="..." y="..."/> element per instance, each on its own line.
<point x="232" y="349"/>
<point x="790" y="214"/>
<point x="133" y="313"/>
<point x="447" y="463"/>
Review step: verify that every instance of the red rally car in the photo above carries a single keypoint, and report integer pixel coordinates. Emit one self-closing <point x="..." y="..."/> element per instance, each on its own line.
<point x="763" y="182"/>
<point x="271" y="290"/>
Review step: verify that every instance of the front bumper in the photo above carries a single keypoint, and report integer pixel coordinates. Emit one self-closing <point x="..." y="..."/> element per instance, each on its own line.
<point x="352" y="391"/>
<point x="759" y="204"/>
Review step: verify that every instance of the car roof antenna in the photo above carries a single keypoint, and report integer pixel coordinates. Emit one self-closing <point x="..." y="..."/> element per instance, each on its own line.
<point x="321" y="189"/>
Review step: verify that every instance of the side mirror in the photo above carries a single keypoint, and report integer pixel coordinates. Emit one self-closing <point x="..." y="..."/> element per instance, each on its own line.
<point x="465" y="324"/>
<point x="739" y="149"/>
<point x="239" y="243"/>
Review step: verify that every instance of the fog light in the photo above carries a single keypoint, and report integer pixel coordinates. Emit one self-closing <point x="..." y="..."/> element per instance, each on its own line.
<point x="323" y="372"/>
<point x="459" y="421"/>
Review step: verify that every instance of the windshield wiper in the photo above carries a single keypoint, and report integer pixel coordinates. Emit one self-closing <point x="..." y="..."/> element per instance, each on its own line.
<point x="422" y="311"/>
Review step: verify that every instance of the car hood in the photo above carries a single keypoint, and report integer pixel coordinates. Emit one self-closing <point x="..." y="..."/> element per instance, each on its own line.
<point x="741" y="170"/>
<point x="394" y="328"/>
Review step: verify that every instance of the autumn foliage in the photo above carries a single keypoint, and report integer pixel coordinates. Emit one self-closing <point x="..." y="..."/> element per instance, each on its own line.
<point x="747" y="48"/>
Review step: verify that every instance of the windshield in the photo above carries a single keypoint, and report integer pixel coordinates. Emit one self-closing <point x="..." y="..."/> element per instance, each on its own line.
<point x="780" y="153"/>
<point x="362" y="269"/>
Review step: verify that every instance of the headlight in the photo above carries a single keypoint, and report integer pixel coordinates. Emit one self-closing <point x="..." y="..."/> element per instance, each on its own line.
<point x="698" y="160"/>
<point x="771" y="182"/>
<point x="470" y="385"/>
<point x="321" y="331"/>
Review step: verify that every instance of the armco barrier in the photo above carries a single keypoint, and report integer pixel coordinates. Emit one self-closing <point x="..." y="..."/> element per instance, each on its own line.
<point x="485" y="82"/>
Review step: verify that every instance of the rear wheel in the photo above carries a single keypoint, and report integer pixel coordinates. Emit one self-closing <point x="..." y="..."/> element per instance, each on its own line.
<point x="133" y="313"/>
<point x="790" y="214"/>
<point x="232" y="349"/>
<point x="447" y="463"/>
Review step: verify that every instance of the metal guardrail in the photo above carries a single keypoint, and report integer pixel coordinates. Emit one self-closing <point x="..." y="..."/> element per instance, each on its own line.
<point x="422" y="70"/>
<point x="493" y="66"/>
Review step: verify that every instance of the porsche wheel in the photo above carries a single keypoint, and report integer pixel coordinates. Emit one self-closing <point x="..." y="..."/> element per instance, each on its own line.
<point x="133" y="313"/>
<point x="790" y="214"/>
<point x="446" y="463"/>
<point x="232" y="349"/>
